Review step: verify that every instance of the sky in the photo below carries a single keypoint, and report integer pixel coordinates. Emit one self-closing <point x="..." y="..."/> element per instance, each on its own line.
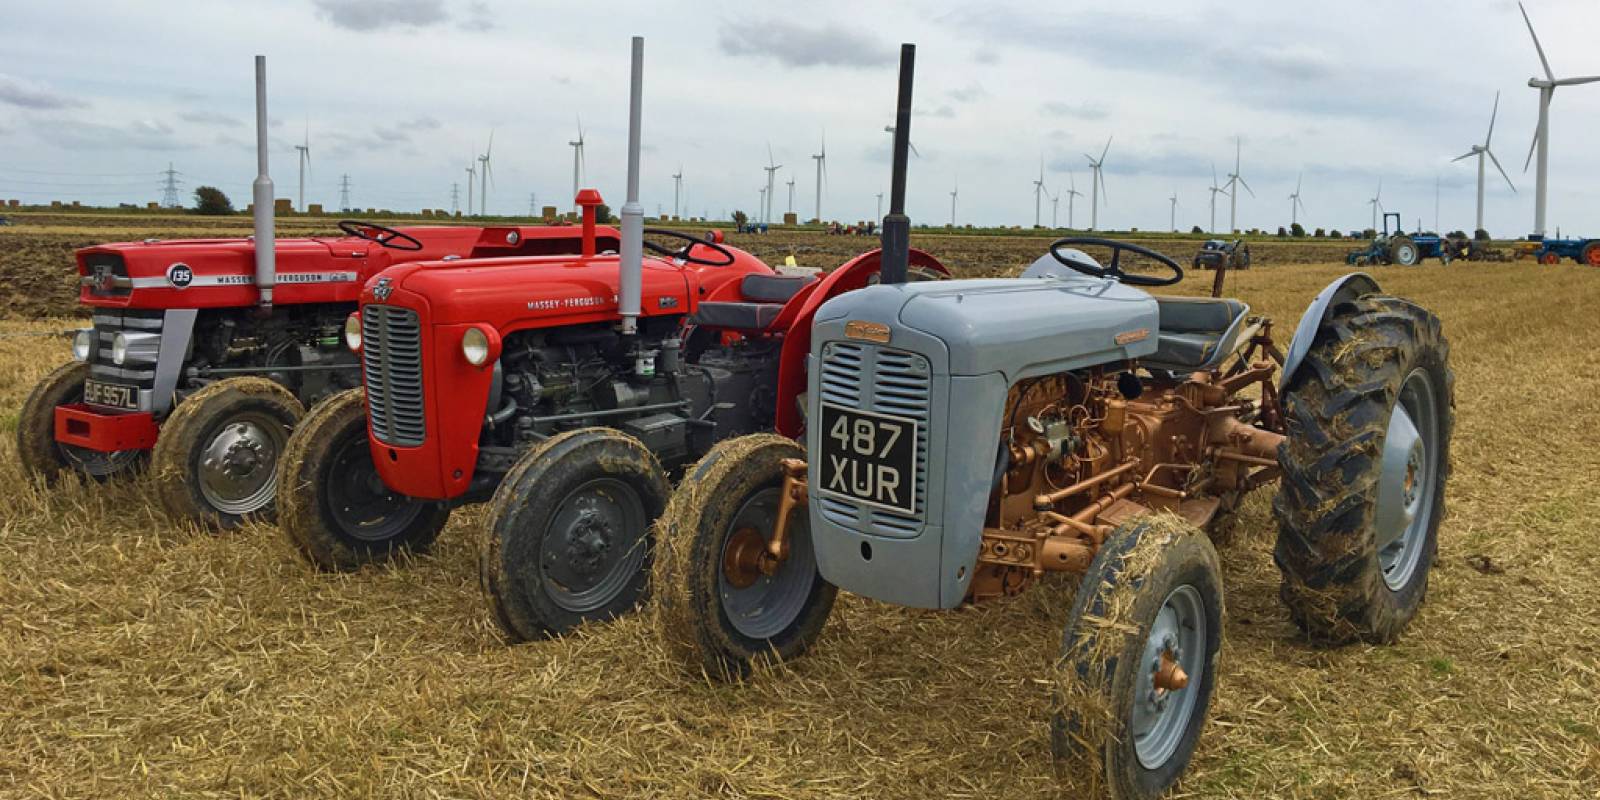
<point x="96" y="99"/>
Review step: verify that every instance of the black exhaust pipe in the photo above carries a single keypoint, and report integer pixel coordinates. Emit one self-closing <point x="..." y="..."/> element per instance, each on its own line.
<point x="896" y="240"/>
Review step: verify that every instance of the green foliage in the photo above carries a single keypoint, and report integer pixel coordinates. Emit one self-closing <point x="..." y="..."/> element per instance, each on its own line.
<point x="1297" y="230"/>
<point x="740" y="218"/>
<point x="211" y="200"/>
<point x="1369" y="234"/>
<point x="1282" y="231"/>
<point x="1481" y="235"/>
<point x="1196" y="229"/>
<point x="1333" y="233"/>
<point x="602" y="214"/>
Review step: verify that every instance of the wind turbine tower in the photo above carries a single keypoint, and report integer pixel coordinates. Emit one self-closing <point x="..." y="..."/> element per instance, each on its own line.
<point x="1377" y="204"/>
<point x="1295" y="206"/>
<point x="1097" y="190"/>
<point x="1541" y="135"/>
<point x="577" y="163"/>
<point x="488" y="175"/>
<point x="677" y="189"/>
<point x="1038" y="190"/>
<point x="472" y="172"/>
<point x="1072" y="192"/>
<point x="1055" y="206"/>
<point x="1174" y="211"/>
<point x="772" y="168"/>
<point x="1235" y="180"/>
<point x="1483" y="150"/>
<point x="304" y="151"/>
<point x="953" y="194"/>
<point x="822" y="172"/>
<point x="791" y="196"/>
<point x="1215" y="190"/>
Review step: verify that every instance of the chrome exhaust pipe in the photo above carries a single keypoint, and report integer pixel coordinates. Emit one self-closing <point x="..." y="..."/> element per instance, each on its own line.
<point x="631" y="272"/>
<point x="266" y="260"/>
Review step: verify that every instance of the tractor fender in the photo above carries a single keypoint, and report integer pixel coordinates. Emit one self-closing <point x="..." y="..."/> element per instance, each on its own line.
<point x="1348" y="287"/>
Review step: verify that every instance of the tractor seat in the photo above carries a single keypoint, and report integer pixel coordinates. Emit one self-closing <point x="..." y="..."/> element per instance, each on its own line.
<point x="764" y="296"/>
<point x="1196" y="331"/>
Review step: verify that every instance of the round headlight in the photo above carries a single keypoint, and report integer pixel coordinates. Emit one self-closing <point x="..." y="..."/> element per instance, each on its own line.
<point x="83" y="344"/>
<point x="119" y="349"/>
<point x="475" y="347"/>
<point x="352" y="331"/>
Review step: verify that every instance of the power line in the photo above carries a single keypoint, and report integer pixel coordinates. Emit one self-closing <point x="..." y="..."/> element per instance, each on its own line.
<point x="169" y="189"/>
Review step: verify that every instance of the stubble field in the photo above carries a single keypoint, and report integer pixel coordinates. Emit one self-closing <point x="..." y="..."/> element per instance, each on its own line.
<point x="142" y="659"/>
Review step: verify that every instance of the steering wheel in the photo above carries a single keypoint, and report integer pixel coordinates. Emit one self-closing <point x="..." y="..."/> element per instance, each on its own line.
<point x="690" y="243"/>
<point x="1114" y="272"/>
<point x="384" y="236"/>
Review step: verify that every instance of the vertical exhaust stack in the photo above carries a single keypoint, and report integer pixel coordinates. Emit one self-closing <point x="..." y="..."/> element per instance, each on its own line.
<point x="897" y="226"/>
<point x="631" y="272"/>
<point x="266" y="257"/>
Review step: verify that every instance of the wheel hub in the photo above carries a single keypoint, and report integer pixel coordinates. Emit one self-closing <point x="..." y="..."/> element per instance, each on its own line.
<point x="1173" y="660"/>
<point x="1406" y="482"/>
<point x="741" y="561"/>
<point x="238" y="468"/>
<point x="588" y="542"/>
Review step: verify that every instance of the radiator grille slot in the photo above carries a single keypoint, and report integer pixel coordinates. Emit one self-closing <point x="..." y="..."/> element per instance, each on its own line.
<point x="887" y="381"/>
<point x="391" y="360"/>
<point x="139" y="372"/>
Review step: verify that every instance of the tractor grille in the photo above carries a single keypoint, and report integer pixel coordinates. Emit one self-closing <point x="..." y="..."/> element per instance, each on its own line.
<point x="391" y="354"/>
<point x="888" y="381"/>
<point x="139" y="371"/>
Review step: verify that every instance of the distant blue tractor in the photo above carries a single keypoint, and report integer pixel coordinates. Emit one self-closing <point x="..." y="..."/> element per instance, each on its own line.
<point x="1583" y="251"/>
<point x="1399" y="248"/>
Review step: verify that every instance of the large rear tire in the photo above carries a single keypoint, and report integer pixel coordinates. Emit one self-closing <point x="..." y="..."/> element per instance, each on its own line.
<point x="1404" y="252"/>
<point x="1138" y="660"/>
<point x="1591" y="254"/>
<point x="568" y="539"/>
<point x="1369" y="417"/>
<point x="217" y="459"/>
<point x="37" y="448"/>
<point x="331" y="502"/>
<point x="714" y="612"/>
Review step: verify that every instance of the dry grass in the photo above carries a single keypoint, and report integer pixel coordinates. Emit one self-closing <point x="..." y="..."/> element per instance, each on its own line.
<point x="139" y="659"/>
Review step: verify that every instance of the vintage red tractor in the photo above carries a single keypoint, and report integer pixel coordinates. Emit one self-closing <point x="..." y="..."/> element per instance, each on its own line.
<point x="186" y="368"/>
<point x="968" y="438"/>
<point x="566" y="390"/>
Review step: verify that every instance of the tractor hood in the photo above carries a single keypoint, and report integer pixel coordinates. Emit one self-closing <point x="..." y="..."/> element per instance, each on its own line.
<point x="514" y="293"/>
<point x="1015" y="326"/>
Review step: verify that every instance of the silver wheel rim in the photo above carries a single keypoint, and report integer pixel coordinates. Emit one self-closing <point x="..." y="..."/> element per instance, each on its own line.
<point x="594" y="545"/>
<point x="238" y="468"/>
<point x="767" y="607"/>
<point x="1407" y="482"/>
<point x="1161" y="716"/>
<point x="1408" y="254"/>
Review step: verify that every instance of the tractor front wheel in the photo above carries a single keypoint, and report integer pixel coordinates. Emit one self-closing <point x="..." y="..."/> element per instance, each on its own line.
<point x="331" y="501"/>
<point x="37" y="447"/>
<point x="568" y="535"/>
<point x="1403" y="251"/>
<point x="1549" y="259"/>
<point x="718" y="608"/>
<point x="217" y="459"/>
<point x="1138" y="660"/>
<point x="1369" y="416"/>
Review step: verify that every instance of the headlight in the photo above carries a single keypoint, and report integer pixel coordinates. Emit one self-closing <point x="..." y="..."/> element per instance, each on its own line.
<point x="475" y="347"/>
<point x="352" y="331"/>
<point x="83" y="344"/>
<point x="119" y="349"/>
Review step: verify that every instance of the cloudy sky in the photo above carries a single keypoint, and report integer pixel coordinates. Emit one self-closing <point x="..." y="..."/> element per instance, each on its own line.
<point x="97" y="98"/>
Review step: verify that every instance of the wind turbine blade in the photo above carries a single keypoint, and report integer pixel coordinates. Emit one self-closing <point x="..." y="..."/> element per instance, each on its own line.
<point x="1297" y="181"/>
<point x="1213" y="174"/>
<point x="1578" y="81"/>
<point x="1545" y="61"/>
<point x="914" y="150"/>
<point x="1246" y="186"/>
<point x="769" y="154"/>
<point x="1492" y="115"/>
<point x="1103" y="189"/>
<point x="1468" y="154"/>
<point x="1502" y="169"/>
<point x="1106" y="150"/>
<point x="1532" y="146"/>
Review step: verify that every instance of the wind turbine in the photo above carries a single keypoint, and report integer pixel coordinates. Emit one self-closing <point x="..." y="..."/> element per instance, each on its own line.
<point x="488" y="175"/>
<point x="953" y="193"/>
<point x="1072" y="192"/>
<point x="1483" y="150"/>
<point x="577" y="162"/>
<point x="472" y="172"/>
<point x="822" y="172"/>
<point x="1174" y="201"/>
<point x="1295" y="206"/>
<point x="1097" y="190"/>
<point x="772" y="170"/>
<point x="889" y="129"/>
<point x="1038" y="189"/>
<point x="880" y="206"/>
<point x="677" y="190"/>
<point x="761" y="203"/>
<point x="791" y="195"/>
<point x="1541" y="135"/>
<point x="1235" y="180"/>
<point x="1055" y="206"/>
<point x="1377" y="204"/>
<point x="305" y="160"/>
<point x="1215" y="190"/>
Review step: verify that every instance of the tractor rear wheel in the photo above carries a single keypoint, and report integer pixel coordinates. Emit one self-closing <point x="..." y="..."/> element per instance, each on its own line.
<point x="715" y="609"/>
<point x="331" y="501"/>
<point x="217" y="459"/>
<point x="1369" y="416"/>
<point x="568" y="535"/>
<point x="1138" y="660"/>
<point x="1403" y="251"/>
<point x="37" y="447"/>
<point x="1591" y="254"/>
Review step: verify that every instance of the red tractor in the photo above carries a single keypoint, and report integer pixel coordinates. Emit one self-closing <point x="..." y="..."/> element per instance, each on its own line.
<point x="186" y="368"/>
<point x="528" y="383"/>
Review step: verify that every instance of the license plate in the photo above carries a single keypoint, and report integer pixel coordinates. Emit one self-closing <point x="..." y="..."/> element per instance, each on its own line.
<point x="111" y="394"/>
<point x="869" y="458"/>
